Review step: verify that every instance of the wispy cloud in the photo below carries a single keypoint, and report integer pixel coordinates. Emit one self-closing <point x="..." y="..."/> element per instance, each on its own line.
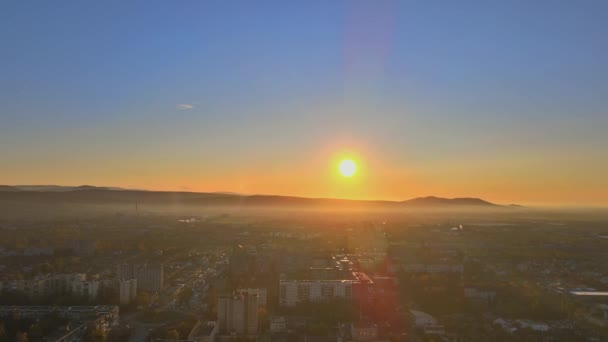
<point x="184" y="106"/>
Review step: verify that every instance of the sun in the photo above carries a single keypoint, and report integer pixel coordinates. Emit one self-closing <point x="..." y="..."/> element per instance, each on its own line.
<point x="347" y="168"/>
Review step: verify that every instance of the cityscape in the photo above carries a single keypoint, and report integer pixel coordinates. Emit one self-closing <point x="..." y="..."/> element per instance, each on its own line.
<point x="303" y="171"/>
<point x="431" y="272"/>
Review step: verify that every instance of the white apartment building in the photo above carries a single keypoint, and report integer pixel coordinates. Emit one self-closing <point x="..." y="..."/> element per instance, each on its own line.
<point x="149" y="276"/>
<point x="423" y="319"/>
<point x="88" y="289"/>
<point x="44" y="285"/>
<point x="238" y="313"/>
<point x="127" y="290"/>
<point x="32" y="288"/>
<point x="293" y="292"/>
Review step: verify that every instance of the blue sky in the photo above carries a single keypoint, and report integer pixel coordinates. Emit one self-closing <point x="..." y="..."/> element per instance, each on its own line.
<point x="421" y="85"/>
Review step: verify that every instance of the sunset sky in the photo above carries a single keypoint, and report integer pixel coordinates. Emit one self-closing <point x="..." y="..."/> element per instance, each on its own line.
<point x="507" y="101"/>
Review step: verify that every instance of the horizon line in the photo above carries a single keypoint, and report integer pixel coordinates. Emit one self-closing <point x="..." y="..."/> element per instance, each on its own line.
<point x="538" y="205"/>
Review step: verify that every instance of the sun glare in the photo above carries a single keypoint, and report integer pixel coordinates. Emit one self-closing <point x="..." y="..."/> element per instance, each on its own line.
<point x="347" y="168"/>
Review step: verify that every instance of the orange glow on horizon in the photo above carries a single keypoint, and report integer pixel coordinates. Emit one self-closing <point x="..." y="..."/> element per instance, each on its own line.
<point x="314" y="172"/>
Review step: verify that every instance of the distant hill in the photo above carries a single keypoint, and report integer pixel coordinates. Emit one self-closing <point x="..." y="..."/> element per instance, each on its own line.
<point x="9" y="188"/>
<point x="87" y="194"/>
<point x="438" y="201"/>
<point x="54" y="188"/>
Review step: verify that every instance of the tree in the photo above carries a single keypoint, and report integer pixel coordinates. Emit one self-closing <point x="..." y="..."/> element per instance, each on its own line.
<point x="143" y="298"/>
<point x="21" y="336"/>
<point x="241" y="339"/>
<point x="171" y="334"/>
<point x="2" y="331"/>
<point x="35" y="332"/>
<point x="185" y="295"/>
<point x="317" y="329"/>
<point x="119" y="335"/>
<point x="95" y="336"/>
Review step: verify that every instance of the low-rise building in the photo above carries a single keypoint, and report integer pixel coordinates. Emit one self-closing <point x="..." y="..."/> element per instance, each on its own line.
<point x="422" y="319"/>
<point x="433" y="268"/>
<point x="479" y="294"/>
<point x="278" y="324"/>
<point x="364" y="331"/>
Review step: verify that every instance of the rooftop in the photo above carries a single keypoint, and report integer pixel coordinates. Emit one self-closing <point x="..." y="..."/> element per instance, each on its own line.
<point x="343" y="277"/>
<point x="589" y="293"/>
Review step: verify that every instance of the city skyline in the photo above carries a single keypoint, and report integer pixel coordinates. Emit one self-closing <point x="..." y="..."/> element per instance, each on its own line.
<point x="504" y="102"/>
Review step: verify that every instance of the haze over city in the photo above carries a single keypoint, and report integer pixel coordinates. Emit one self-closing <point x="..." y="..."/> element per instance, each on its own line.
<point x="303" y="171"/>
<point x="500" y="101"/>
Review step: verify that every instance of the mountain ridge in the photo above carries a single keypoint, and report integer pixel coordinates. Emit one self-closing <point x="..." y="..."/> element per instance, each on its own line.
<point x="94" y="194"/>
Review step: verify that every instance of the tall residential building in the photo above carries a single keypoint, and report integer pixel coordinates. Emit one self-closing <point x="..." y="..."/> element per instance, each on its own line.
<point x="44" y="285"/>
<point x="238" y="313"/>
<point x="88" y="289"/>
<point x="32" y="288"/>
<point x="356" y="286"/>
<point x="149" y="276"/>
<point x="62" y="283"/>
<point x="127" y="290"/>
<point x="261" y="293"/>
<point x="125" y="271"/>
